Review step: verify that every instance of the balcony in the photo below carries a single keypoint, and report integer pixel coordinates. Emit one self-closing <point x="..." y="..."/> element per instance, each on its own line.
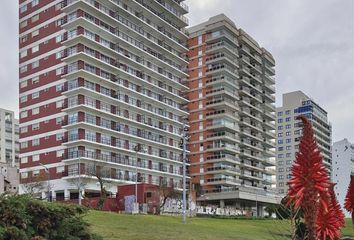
<point x="227" y="158"/>
<point x="223" y="181"/>
<point x="228" y="126"/>
<point x="221" y="47"/>
<point x="223" y="169"/>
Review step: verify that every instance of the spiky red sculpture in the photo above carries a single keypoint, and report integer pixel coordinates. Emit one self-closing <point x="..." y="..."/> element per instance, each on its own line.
<point x="329" y="221"/>
<point x="349" y="198"/>
<point x="309" y="183"/>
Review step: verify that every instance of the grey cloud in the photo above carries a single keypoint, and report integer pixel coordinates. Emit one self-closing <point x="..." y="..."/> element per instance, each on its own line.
<point x="311" y="41"/>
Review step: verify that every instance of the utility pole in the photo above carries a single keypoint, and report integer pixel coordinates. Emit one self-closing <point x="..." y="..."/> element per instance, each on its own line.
<point x="184" y="173"/>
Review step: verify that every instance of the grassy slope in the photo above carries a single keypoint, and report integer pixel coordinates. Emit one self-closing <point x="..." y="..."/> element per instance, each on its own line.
<point x="127" y="227"/>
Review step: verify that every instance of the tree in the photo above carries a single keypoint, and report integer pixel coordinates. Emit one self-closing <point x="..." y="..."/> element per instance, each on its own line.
<point x="308" y="187"/>
<point x="349" y="198"/>
<point x="34" y="185"/>
<point x="102" y="174"/>
<point x="165" y="192"/>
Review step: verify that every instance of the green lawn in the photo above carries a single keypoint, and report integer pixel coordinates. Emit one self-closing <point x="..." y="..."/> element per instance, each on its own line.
<point x="128" y="227"/>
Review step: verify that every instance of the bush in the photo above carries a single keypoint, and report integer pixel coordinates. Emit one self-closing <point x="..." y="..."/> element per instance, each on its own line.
<point x="22" y="218"/>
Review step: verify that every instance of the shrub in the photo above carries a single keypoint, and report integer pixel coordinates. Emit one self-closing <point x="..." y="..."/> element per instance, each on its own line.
<point x="22" y="218"/>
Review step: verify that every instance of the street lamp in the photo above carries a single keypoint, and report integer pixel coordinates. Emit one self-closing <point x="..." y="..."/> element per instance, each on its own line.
<point x="48" y="180"/>
<point x="79" y="172"/>
<point x="184" y="139"/>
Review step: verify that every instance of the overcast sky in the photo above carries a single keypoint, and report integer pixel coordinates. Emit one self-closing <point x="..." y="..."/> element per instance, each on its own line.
<point x="311" y="41"/>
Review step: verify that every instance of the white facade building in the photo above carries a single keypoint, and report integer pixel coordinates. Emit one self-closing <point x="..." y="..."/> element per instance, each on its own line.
<point x="342" y="168"/>
<point x="9" y="150"/>
<point x="288" y="133"/>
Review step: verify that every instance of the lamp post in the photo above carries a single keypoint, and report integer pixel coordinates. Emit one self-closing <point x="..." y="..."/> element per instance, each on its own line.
<point x="79" y="172"/>
<point x="137" y="149"/>
<point x="184" y="172"/>
<point x="48" y="181"/>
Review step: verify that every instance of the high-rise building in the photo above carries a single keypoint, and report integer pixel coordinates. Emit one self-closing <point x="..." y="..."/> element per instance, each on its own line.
<point x="342" y="169"/>
<point x="289" y="132"/>
<point x="9" y="146"/>
<point x="232" y="119"/>
<point x="101" y="86"/>
<point x="9" y="151"/>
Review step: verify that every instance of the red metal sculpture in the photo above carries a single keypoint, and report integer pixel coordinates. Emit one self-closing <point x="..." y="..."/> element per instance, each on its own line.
<point x="349" y="198"/>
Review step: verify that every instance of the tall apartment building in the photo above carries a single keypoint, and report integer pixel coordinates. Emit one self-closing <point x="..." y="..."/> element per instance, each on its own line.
<point x="342" y="169"/>
<point x="232" y="119"/>
<point x="9" y="133"/>
<point x="9" y="151"/>
<point x="289" y="133"/>
<point x="101" y="86"/>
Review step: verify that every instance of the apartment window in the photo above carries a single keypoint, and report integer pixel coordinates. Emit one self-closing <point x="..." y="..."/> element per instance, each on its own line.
<point x="23" y="54"/>
<point x="288" y="119"/>
<point x="288" y="140"/>
<point x="23" y="69"/>
<point x="280" y="155"/>
<point x="281" y="170"/>
<point x="280" y="120"/>
<point x="280" y="134"/>
<point x="280" y="148"/>
<point x="35" y="111"/>
<point x="60" y="169"/>
<point x="60" y="71"/>
<point x="35" y="64"/>
<point x="288" y="147"/>
<point x="281" y="191"/>
<point x="59" y="38"/>
<point x="281" y="163"/>
<point x="60" y="87"/>
<point x="23" y="8"/>
<point x="288" y="176"/>
<point x="280" y="114"/>
<point x="23" y="114"/>
<point x="35" y="158"/>
<point x="35" y="33"/>
<point x="35" y="49"/>
<point x="24" y="39"/>
<point x="23" y="24"/>
<point x="288" y="126"/>
<point x="24" y="160"/>
<point x="200" y="39"/>
<point x="24" y="129"/>
<point x="23" y="84"/>
<point x="35" y="80"/>
<point x="34" y="2"/>
<point x="35" y="18"/>
<point x="35" y="95"/>
<point x="280" y="141"/>
<point x="24" y="175"/>
<point x="35" y="126"/>
<point x="280" y="128"/>
<point x="288" y="162"/>
<point x="288" y="155"/>
<point x="288" y="133"/>
<point x="281" y="184"/>
<point x="59" y="120"/>
<point x="60" y="153"/>
<point x="287" y="112"/>
<point x="297" y="132"/>
<point x="24" y="145"/>
<point x="288" y="169"/>
<point x="60" y="104"/>
<point x="281" y="177"/>
<point x="23" y="99"/>
<point x="59" y="136"/>
<point x="35" y="142"/>
<point x="35" y="173"/>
